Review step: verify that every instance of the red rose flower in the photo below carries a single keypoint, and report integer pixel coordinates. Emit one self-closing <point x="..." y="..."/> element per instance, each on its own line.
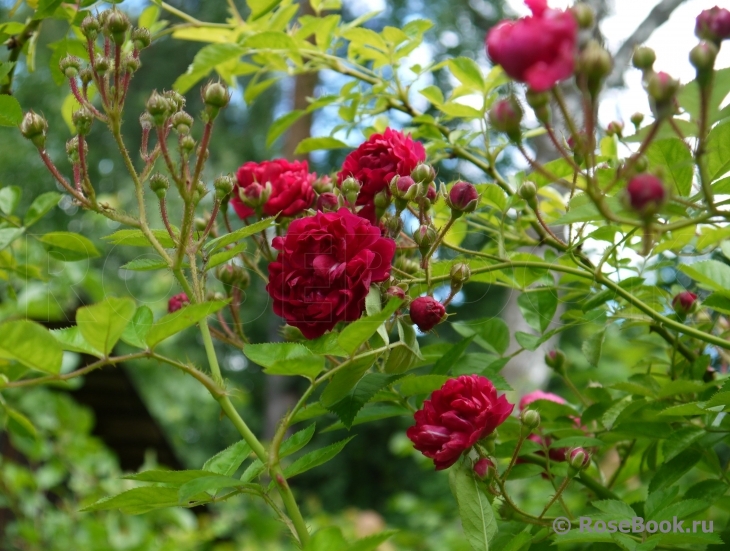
<point x="177" y="302"/>
<point x="325" y="267"/>
<point x="291" y="187"/>
<point x="376" y="162"/>
<point x="456" y="417"/>
<point x="539" y="50"/>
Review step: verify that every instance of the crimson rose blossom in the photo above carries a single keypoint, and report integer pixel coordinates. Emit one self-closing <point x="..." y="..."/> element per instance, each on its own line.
<point x="291" y="187"/>
<point x="376" y="162"/>
<point x="325" y="267"/>
<point x="456" y="417"/>
<point x="539" y="50"/>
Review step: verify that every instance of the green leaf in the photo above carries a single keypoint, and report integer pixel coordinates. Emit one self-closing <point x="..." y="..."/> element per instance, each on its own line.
<point x="137" y="500"/>
<point x="445" y="362"/>
<point x="32" y="345"/>
<point x="467" y="72"/>
<point x="373" y="412"/>
<point x="70" y="338"/>
<point x="680" y="509"/>
<point x="315" y="458"/>
<point x="224" y="256"/>
<point x="717" y="302"/>
<point x="226" y="462"/>
<point x="671" y="471"/>
<point x="575" y="441"/>
<point x="718" y="150"/>
<point x="68" y="247"/>
<point x="327" y="539"/>
<point x="41" y="206"/>
<point x="297" y="441"/>
<point x="690" y="409"/>
<point x="8" y="235"/>
<point x="10" y="112"/>
<point x="676" y="163"/>
<point x="361" y="330"/>
<point x="491" y="333"/>
<point x="307" y="145"/>
<point x="242" y="233"/>
<point x="205" y="61"/>
<point x="711" y="274"/>
<point x="167" y="477"/>
<point x="371" y="543"/>
<point x="9" y="198"/>
<point x="282" y="124"/>
<point x="136" y="330"/>
<point x="363" y="391"/>
<point x="615" y="508"/>
<point x="145" y="264"/>
<point x="405" y="354"/>
<point x="592" y="347"/>
<point x="102" y="324"/>
<point x="421" y="384"/>
<point x="173" y="323"/>
<point x="208" y="484"/>
<point x="285" y="358"/>
<point x="19" y="423"/>
<point x="135" y="238"/>
<point x="538" y="307"/>
<point x="347" y="376"/>
<point x="680" y="440"/>
<point x="477" y="516"/>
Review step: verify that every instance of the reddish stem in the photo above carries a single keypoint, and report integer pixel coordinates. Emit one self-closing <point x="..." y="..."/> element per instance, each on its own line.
<point x="58" y="176"/>
<point x="144" y="144"/>
<point x="200" y="161"/>
<point x="166" y="220"/>
<point x="117" y="68"/>
<point x="77" y="178"/>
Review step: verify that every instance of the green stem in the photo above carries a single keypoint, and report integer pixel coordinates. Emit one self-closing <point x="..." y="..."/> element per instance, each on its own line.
<point x="15" y="47"/>
<point x="210" y="352"/>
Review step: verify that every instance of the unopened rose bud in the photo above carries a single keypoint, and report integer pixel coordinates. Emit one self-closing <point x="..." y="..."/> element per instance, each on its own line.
<point x="328" y="202"/>
<point x="426" y="313"/>
<point x="646" y="194"/>
<point x="662" y="87"/>
<point x="396" y="292"/>
<point x="539" y="102"/>
<point x="713" y="25"/>
<point x="159" y="108"/>
<point x="232" y="275"/>
<point x="34" y="128"/>
<point x="215" y="97"/>
<point x="254" y="195"/>
<point x="141" y="38"/>
<point x="702" y="57"/>
<point x="425" y="236"/>
<point x="146" y="121"/>
<point x="323" y="184"/>
<point x="72" y="150"/>
<point x="578" y="458"/>
<point x="200" y="224"/>
<point x="177" y="100"/>
<point x="643" y="58"/>
<point x="423" y="173"/>
<point x="406" y="265"/>
<point x="463" y="198"/>
<point x="484" y="468"/>
<point x="460" y="274"/>
<point x="130" y="64"/>
<point x="70" y="66"/>
<point x="101" y="64"/>
<point x="177" y="302"/>
<point x="584" y="15"/>
<point x="82" y="120"/>
<point x="187" y="144"/>
<point x="90" y="27"/>
<point x="528" y="191"/>
<point x="403" y="187"/>
<point x="637" y="119"/>
<point x="393" y="224"/>
<point x="223" y="186"/>
<point x="555" y="359"/>
<point x="86" y="75"/>
<point x="350" y="188"/>
<point x="615" y="128"/>
<point x="685" y="303"/>
<point x="117" y="25"/>
<point x="381" y="200"/>
<point x="530" y="419"/>
<point x="181" y="122"/>
<point x="505" y="116"/>
<point x="159" y="185"/>
<point x="594" y="62"/>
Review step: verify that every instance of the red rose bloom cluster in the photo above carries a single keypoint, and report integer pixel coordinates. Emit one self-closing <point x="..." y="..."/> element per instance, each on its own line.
<point x="376" y="162"/>
<point x="325" y="267"/>
<point x="177" y="302"/>
<point x="291" y="187"/>
<point x="539" y="50"/>
<point x="456" y="417"/>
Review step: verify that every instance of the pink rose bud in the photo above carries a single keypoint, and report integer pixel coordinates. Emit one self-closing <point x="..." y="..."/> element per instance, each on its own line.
<point x="432" y="194"/>
<point x="253" y="195"/>
<point x="328" y="202"/>
<point x="530" y="418"/>
<point x="713" y="25"/>
<point x="578" y="458"/>
<point x="463" y="197"/>
<point x="396" y="292"/>
<point x="555" y="359"/>
<point x="177" y="302"/>
<point x="615" y="128"/>
<point x="462" y="412"/>
<point x="703" y="56"/>
<point x="484" y="467"/>
<point x="662" y="87"/>
<point x="506" y="116"/>
<point x="403" y="187"/>
<point x="425" y="236"/>
<point x="685" y="303"/>
<point x="427" y="313"/>
<point x="646" y="194"/>
<point x="513" y="45"/>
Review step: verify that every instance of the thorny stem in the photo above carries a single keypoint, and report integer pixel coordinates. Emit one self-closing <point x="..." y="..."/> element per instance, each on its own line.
<point x="560" y="490"/>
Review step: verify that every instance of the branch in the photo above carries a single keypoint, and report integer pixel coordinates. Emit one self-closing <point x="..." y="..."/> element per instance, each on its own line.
<point x="16" y="45"/>
<point x="656" y="18"/>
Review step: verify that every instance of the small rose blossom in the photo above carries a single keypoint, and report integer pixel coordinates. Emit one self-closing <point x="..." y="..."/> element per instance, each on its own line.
<point x="291" y="187"/>
<point x="684" y="302"/>
<point x="483" y="466"/>
<point x="463" y="197"/>
<point x="427" y="312"/>
<point x="539" y="50"/>
<point x="177" y="302"/>
<point x="462" y="412"/>
<point x="646" y="194"/>
<point x="713" y="24"/>
<point x="376" y="162"/>
<point x="325" y="267"/>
